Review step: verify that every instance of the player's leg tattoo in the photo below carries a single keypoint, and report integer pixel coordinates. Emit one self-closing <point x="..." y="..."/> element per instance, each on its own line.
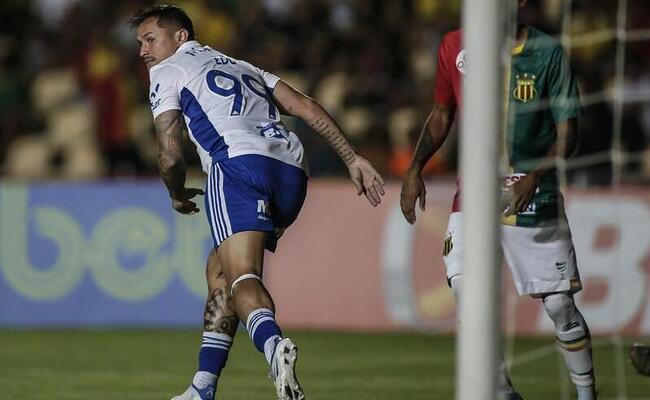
<point x="574" y="341"/>
<point x="219" y="315"/>
<point x="220" y="326"/>
<point x="241" y="279"/>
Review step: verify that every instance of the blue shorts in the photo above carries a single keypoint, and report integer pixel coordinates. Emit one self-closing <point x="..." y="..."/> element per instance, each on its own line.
<point x="253" y="193"/>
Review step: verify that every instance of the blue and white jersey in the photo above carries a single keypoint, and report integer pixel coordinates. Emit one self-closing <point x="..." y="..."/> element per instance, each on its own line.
<point x="226" y="103"/>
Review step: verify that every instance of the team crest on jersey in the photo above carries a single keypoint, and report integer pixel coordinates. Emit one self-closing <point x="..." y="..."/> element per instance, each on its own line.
<point x="448" y="245"/>
<point x="525" y="88"/>
<point x="461" y="61"/>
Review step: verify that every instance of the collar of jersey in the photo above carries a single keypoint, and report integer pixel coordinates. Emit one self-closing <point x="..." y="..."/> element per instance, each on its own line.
<point x="186" y="45"/>
<point x="183" y="47"/>
<point x="520" y="48"/>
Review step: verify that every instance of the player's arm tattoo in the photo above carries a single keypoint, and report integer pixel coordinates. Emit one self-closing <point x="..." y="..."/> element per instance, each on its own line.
<point x="292" y="102"/>
<point x="219" y="315"/>
<point x="433" y="135"/>
<point x="171" y="163"/>
<point x="325" y="126"/>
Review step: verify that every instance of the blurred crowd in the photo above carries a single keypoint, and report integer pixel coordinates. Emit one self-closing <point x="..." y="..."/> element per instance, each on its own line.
<point x="73" y="91"/>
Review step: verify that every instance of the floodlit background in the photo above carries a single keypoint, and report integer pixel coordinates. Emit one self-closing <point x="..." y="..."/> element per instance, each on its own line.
<point x="88" y="239"/>
<point x="74" y="92"/>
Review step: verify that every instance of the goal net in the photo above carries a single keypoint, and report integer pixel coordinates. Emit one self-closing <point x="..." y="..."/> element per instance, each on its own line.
<point x="605" y="185"/>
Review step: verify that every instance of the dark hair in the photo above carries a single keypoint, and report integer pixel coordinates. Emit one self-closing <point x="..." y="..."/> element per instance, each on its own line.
<point x="166" y="14"/>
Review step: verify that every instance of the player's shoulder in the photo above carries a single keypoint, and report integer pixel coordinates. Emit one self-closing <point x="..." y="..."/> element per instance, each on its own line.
<point x="189" y="55"/>
<point x="540" y="40"/>
<point x="171" y="68"/>
<point x="451" y="44"/>
<point x="453" y="38"/>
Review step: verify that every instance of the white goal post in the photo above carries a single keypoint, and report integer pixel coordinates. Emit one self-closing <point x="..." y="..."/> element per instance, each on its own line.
<point x="484" y="26"/>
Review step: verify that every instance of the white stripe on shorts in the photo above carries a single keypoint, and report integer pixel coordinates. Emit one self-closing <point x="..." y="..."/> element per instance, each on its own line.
<point x="212" y="205"/>
<point x="217" y="182"/>
<point x="223" y="207"/>
<point x="209" y="210"/>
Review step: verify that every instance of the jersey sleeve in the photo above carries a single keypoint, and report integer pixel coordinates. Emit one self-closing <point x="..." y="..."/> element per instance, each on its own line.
<point x="164" y="89"/>
<point x="564" y="98"/>
<point x="443" y="92"/>
<point x="270" y="80"/>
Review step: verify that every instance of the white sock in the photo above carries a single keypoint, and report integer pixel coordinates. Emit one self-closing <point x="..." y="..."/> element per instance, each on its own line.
<point x="269" y="347"/>
<point x="203" y="379"/>
<point x="269" y="352"/>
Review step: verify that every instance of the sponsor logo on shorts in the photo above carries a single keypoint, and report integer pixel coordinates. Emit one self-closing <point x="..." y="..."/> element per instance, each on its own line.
<point x="448" y="245"/>
<point x="263" y="212"/>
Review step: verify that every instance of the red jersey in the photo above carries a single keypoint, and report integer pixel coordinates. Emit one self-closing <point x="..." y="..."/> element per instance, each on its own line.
<point x="451" y="66"/>
<point x="448" y="85"/>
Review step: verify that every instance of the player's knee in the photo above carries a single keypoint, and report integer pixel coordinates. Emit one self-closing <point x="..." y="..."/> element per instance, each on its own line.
<point x="242" y="280"/>
<point x="560" y="308"/>
<point x="240" y="271"/>
<point x="249" y="294"/>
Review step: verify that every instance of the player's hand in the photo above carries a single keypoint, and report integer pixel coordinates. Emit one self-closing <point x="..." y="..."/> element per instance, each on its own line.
<point x="367" y="180"/>
<point x="516" y="197"/>
<point x="183" y="203"/>
<point x="412" y="189"/>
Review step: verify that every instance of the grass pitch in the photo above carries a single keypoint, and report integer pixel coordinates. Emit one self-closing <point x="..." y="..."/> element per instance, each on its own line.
<point x="150" y="364"/>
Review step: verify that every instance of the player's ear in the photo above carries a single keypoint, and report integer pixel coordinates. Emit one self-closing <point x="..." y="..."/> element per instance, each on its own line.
<point x="522" y="3"/>
<point x="181" y="36"/>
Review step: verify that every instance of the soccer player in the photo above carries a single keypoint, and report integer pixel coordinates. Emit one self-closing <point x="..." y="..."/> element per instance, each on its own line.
<point x="256" y="183"/>
<point x="542" y="111"/>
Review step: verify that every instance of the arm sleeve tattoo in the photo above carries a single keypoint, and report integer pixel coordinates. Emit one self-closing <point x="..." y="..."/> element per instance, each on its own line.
<point x="169" y="129"/>
<point x="329" y="130"/>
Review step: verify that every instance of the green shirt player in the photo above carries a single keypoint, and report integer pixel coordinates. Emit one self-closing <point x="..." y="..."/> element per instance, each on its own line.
<point x="543" y="99"/>
<point x="542" y="111"/>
